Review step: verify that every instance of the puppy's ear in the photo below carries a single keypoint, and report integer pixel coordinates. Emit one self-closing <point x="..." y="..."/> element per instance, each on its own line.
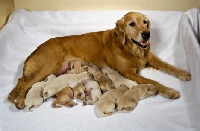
<point x="120" y="31"/>
<point x="71" y="95"/>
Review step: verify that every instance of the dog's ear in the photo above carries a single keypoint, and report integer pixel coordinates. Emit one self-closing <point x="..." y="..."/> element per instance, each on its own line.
<point x="148" y="21"/>
<point x="120" y="31"/>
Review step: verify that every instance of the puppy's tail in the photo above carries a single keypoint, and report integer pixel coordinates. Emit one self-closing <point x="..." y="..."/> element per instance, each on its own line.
<point x="54" y="104"/>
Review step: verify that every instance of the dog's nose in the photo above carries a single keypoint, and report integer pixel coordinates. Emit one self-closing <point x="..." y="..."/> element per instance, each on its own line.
<point x="146" y="35"/>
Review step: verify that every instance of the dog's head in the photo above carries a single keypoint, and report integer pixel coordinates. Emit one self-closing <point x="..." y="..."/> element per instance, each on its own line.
<point x="134" y="26"/>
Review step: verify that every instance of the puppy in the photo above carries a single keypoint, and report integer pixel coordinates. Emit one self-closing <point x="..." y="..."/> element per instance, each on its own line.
<point x="106" y="104"/>
<point x="117" y="78"/>
<point x="93" y="92"/>
<point x="69" y="80"/>
<point x="104" y="81"/>
<point x="77" y="66"/>
<point x="34" y="95"/>
<point x="64" y="97"/>
<point x="131" y="97"/>
<point x="79" y="92"/>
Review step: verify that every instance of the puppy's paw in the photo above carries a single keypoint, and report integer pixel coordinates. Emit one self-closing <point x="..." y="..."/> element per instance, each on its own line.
<point x="171" y="93"/>
<point x="184" y="76"/>
<point x="152" y="90"/>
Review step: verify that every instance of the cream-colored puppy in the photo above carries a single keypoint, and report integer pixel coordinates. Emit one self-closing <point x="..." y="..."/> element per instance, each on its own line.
<point x="62" y="81"/>
<point x="79" y="92"/>
<point x="77" y="66"/>
<point x="131" y="97"/>
<point x="104" y="81"/>
<point x="34" y="95"/>
<point x="117" y="78"/>
<point x="64" y="97"/>
<point x="106" y="104"/>
<point x="93" y="92"/>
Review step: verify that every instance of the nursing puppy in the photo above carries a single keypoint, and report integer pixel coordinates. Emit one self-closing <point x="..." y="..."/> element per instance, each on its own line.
<point x="106" y="105"/>
<point x="64" y="97"/>
<point x="130" y="98"/>
<point x="117" y="78"/>
<point x="125" y="48"/>
<point x="104" y="81"/>
<point x="62" y="81"/>
<point x="93" y="92"/>
<point x="77" y="66"/>
<point x="79" y="92"/>
<point x="73" y="65"/>
<point x="34" y="95"/>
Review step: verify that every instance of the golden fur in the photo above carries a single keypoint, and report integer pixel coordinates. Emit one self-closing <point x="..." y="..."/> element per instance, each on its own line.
<point x="104" y="81"/>
<point x="106" y="105"/>
<point x="64" y="97"/>
<point x="93" y="92"/>
<point x="117" y="78"/>
<point x="69" y="80"/>
<point x="34" y="95"/>
<point x="131" y="97"/>
<point x="79" y="92"/>
<point x="125" y="48"/>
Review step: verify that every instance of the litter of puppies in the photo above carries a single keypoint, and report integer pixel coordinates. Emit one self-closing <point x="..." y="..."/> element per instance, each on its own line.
<point x="104" y="88"/>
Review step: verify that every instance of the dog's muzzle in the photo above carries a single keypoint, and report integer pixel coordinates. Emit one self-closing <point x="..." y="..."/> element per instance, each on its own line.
<point x="143" y="44"/>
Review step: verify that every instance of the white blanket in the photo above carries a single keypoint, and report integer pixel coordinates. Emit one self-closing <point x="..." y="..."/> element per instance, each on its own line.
<point x="175" y="38"/>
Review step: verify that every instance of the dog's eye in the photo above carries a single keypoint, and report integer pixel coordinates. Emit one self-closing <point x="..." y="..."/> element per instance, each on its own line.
<point x="132" y="24"/>
<point x="145" y="22"/>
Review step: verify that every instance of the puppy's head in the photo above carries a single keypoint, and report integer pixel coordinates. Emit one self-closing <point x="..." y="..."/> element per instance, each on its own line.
<point x="134" y="26"/>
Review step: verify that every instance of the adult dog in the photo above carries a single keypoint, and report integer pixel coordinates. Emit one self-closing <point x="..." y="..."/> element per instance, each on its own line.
<point x="125" y="48"/>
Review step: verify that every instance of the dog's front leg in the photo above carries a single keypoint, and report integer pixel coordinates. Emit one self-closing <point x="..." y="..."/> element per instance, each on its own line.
<point x="157" y="63"/>
<point x="163" y="90"/>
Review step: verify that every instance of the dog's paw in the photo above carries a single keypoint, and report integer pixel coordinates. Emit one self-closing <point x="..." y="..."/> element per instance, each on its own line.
<point x="171" y="93"/>
<point x="19" y="103"/>
<point x="184" y="76"/>
<point x="12" y="95"/>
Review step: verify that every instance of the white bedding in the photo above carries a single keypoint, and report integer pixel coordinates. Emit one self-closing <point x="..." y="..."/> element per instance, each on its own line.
<point x="175" y="38"/>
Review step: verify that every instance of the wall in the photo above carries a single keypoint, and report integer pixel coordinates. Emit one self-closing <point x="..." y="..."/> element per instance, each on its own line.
<point x="6" y="7"/>
<point x="181" y="5"/>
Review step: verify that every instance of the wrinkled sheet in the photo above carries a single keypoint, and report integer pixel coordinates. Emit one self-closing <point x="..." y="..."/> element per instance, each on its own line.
<point x="175" y="38"/>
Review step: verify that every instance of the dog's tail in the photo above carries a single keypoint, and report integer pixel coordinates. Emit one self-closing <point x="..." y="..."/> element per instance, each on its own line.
<point x="54" y="104"/>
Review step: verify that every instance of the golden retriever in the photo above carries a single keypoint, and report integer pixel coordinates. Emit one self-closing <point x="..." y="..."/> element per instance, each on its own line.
<point x="93" y="92"/>
<point x="79" y="92"/>
<point x="106" y="105"/>
<point x="117" y="78"/>
<point x="69" y="80"/>
<point x="125" y="48"/>
<point x="130" y="98"/>
<point x="64" y="97"/>
<point x="104" y="81"/>
<point x="34" y="95"/>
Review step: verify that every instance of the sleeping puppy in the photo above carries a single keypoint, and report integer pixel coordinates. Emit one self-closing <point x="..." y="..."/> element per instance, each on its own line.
<point x="69" y="80"/>
<point x="77" y="66"/>
<point x="125" y="48"/>
<point x="34" y="95"/>
<point x="104" y="81"/>
<point x="79" y="92"/>
<point x="73" y="65"/>
<point x="106" y="104"/>
<point x="117" y="78"/>
<point x="93" y="92"/>
<point x="131" y="97"/>
<point x="64" y="97"/>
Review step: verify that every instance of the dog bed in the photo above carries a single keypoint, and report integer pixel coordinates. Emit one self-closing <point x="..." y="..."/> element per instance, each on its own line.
<point x="175" y="38"/>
